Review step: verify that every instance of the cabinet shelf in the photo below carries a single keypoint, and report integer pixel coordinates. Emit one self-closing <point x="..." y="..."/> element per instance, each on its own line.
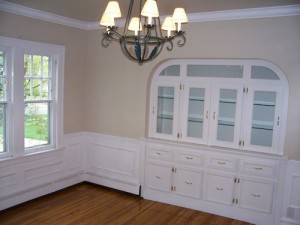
<point x="264" y="103"/>
<point x="195" y="120"/>
<point x="199" y="99"/>
<point x="227" y="100"/>
<point x="262" y="125"/>
<point x="165" y="116"/>
<point x="166" y="97"/>
<point x="226" y="121"/>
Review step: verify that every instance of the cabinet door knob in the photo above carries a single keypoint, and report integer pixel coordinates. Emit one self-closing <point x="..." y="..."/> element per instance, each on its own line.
<point x="188" y="183"/>
<point x="157" y="177"/>
<point x="221" y="163"/>
<point x="219" y="189"/>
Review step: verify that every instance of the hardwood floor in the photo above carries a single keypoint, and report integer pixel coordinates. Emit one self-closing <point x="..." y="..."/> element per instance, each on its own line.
<point x="90" y="204"/>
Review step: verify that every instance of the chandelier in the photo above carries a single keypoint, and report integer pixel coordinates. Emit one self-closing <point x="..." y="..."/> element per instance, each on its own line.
<point x="142" y="43"/>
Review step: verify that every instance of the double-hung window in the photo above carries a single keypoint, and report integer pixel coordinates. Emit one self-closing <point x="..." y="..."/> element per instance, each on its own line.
<point x="39" y="74"/>
<point x="31" y="97"/>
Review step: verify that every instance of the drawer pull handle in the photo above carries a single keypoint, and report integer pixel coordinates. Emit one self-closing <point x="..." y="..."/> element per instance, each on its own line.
<point x="220" y="189"/>
<point x="189" y="183"/>
<point x="158" y="153"/>
<point x="190" y="158"/>
<point x="157" y="177"/>
<point x="222" y="163"/>
<point x="257" y="168"/>
<point x="256" y="196"/>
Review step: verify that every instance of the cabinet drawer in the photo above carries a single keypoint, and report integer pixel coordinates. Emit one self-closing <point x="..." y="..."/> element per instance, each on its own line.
<point x="258" y="168"/>
<point x="221" y="163"/>
<point x="159" y="154"/>
<point x="189" y="158"/>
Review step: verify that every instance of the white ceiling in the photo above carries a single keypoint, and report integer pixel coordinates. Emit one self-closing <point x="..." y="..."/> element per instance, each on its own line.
<point x="91" y="10"/>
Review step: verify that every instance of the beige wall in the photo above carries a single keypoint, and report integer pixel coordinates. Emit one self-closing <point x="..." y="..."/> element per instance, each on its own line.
<point x="117" y="88"/>
<point x="74" y="41"/>
<point x="106" y="93"/>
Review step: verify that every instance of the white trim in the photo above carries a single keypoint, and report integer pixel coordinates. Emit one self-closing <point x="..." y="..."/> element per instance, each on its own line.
<point x="265" y="12"/>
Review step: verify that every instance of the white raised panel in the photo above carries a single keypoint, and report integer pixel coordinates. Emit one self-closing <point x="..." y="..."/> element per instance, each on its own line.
<point x="74" y="155"/>
<point x="111" y="160"/>
<point x="295" y="191"/>
<point x="219" y="188"/>
<point x="256" y="195"/>
<point x="7" y="179"/>
<point x="188" y="182"/>
<point x="159" y="176"/>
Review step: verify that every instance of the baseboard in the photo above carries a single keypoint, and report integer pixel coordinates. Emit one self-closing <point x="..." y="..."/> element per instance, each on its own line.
<point x="33" y="192"/>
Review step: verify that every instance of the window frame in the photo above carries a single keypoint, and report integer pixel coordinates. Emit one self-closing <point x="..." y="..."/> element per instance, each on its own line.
<point x="16" y="102"/>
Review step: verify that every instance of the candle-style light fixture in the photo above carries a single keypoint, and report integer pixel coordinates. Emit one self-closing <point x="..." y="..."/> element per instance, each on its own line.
<point x="143" y="42"/>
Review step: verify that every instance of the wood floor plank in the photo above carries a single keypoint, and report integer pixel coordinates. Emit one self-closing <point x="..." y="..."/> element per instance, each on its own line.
<point x="88" y="204"/>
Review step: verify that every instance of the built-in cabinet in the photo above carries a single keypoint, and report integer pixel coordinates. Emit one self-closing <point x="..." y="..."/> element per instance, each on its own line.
<point x="238" y="185"/>
<point x="240" y="104"/>
<point x="211" y="123"/>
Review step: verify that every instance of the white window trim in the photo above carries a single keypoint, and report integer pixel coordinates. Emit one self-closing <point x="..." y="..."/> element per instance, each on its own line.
<point x="15" y="131"/>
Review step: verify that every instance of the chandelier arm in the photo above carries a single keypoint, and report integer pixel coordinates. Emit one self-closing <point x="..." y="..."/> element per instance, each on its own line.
<point x="169" y="41"/>
<point x="182" y="40"/>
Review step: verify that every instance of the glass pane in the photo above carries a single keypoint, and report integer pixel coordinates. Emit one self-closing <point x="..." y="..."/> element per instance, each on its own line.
<point x="37" y="65"/>
<point x="165" y="109"/>
<point x="226" y="120"/>
<point x="173" y="70"/>
<point x="263" y="118"/>
<point x="27" y="65"/>
<point x="2" y="62"/>
<point x="45" y="67"/>
<point x="37" y="77"/>
<point x="3" y="90"/>
<point x="261" y="72"/>
<point x="196" y="112"/>
<point x="223" y="71"/>
<point x="36" y="124"/>
<point x="2" y="128"/>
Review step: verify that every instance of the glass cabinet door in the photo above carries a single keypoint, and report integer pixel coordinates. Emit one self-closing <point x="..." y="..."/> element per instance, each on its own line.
<point x="262" y="130"/>
<point x="196" y="114"/>
<point x="165" y="111"/>
<point x="226" y="116"/>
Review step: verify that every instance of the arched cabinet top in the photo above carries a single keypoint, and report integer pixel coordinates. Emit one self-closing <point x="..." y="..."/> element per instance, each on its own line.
<point x="240" y="70"/>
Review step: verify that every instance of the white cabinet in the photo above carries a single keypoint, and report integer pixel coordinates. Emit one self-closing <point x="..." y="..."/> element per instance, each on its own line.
<point x="183" y="176"/>
<point x="240" y="185"/>
<point x="239" y="104"/>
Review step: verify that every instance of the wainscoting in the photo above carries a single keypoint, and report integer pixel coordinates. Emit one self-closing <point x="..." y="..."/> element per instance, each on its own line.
<point x="105" y="160"/>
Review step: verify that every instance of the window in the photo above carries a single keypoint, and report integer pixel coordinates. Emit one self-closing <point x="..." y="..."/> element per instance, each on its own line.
<point x="38" y="100"/>
<point x="3" y="100"/>
<point x="36" y="75"/>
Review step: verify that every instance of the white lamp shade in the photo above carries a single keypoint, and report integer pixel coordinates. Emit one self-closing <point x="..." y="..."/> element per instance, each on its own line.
<point x="150" y="9"/>
<point x="107" y="20"/>
<point x="135" y="25"/>
<point x="168" y="24"/>
<point x="179" y="16"/>
<point x="113" y="9"/>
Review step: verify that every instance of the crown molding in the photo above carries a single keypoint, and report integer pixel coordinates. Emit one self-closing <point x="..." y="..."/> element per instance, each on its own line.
<point x="254" y="13"/>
